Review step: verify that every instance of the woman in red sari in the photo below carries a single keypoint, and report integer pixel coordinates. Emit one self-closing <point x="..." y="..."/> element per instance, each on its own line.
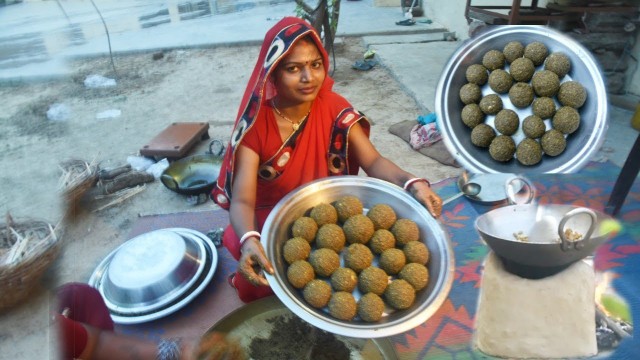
<point x="291" y="128"/>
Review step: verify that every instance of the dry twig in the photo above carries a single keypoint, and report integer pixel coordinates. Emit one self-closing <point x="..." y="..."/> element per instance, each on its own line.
<point x="6" y="243"/>
<point x="120" y="196"/>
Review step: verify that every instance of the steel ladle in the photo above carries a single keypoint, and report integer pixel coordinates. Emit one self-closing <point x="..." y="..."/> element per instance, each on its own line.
<point x="469" y="189"/>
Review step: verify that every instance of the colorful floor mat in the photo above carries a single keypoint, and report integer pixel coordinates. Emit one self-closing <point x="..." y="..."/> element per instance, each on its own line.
<point x="448" y="333"/>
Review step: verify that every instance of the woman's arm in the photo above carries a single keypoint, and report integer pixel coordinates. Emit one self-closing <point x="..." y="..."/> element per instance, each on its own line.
<point x="242" y="216"/>
<point x="378" y="166"/>
<point x="104" y="345"/>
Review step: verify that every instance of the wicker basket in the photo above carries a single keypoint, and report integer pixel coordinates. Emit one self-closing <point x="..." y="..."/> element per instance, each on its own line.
<point x="19" y="277"/>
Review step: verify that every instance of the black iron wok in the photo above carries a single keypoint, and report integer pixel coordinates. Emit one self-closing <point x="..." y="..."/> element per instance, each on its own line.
<point x="547" y="249"/>
<point x="195" y="174"/>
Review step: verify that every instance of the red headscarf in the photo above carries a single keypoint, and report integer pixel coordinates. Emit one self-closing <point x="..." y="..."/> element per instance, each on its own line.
<point x="326" y="127"/>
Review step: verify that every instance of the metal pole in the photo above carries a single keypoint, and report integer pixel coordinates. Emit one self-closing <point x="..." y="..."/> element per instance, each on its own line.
<point x="625" y="180"/>
<point x="108" y="38"/>
<point x="64" y="12"/>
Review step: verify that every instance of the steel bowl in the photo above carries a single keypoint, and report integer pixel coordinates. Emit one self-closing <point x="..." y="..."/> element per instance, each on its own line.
<point x="547" y="250"/>
<point x="150" y="271"/>
<point x="370" y="191"/>
<point x="581" y="145"/>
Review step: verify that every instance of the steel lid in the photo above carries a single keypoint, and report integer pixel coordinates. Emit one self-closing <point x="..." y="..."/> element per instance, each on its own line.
<point x="149" y="271"/>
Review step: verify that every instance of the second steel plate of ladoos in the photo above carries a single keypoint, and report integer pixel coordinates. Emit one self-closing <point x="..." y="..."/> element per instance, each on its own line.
<point x="456" y="91"/>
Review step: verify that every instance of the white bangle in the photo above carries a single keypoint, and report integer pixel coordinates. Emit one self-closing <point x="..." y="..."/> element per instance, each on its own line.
<point x="415" y="180"/>
<point x="247" y="235"/>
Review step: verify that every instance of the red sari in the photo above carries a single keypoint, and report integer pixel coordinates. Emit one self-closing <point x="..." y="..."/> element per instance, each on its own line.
<point x="84" y="305"/>
<point x="316" y="150"/>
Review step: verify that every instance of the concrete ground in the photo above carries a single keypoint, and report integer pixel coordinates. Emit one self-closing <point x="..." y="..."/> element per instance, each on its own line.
<point x="38" y="38"/>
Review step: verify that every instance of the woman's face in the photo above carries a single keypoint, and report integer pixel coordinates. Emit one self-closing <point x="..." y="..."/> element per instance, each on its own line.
<point x="300" y="75"/>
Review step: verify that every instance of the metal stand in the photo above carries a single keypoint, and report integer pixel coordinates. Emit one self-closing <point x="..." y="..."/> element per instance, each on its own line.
<point x="625" y="180"/>
<point x="518" y="13"/>
<point x="514" y="14"/>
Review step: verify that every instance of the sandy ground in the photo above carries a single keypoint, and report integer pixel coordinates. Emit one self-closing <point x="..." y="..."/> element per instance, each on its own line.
<point x="193" y="85"/>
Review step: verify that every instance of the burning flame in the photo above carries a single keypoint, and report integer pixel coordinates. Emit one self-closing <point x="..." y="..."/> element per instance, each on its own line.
<point x="603" y="282"/>
<point x="608" y="300"/>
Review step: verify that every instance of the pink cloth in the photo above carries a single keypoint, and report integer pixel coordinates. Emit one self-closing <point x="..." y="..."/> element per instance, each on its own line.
<point x="424" y="135"/>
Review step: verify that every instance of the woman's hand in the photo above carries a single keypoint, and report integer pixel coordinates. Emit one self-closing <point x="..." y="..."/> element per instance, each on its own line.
<point x="425" y="195"/>
<point x="252" y="260"/>
<point x="216" y="346"/>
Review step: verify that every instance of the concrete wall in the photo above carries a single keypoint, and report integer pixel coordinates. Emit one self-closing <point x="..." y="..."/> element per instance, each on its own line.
<point x="450" y="14"/>
<point x="633" y="73"/>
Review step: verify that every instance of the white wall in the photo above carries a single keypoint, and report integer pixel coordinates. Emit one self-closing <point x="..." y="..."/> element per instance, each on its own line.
<point x="450" y="14"/>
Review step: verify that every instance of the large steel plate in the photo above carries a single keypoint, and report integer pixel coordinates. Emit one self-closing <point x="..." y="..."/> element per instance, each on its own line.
<point x="256" y="320"/>
<point x="581" y="145"/>
<point x="370" y="191"/>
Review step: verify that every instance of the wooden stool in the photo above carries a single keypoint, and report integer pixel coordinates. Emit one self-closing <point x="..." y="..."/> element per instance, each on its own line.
<point x="176" y="140"/>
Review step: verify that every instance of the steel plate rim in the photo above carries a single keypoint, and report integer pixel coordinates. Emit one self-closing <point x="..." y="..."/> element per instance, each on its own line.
<point x="594" y="140"/>
<point x="273" y="303"/>
<point x="374" y="330"/>
<point x="211" y="258"/>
